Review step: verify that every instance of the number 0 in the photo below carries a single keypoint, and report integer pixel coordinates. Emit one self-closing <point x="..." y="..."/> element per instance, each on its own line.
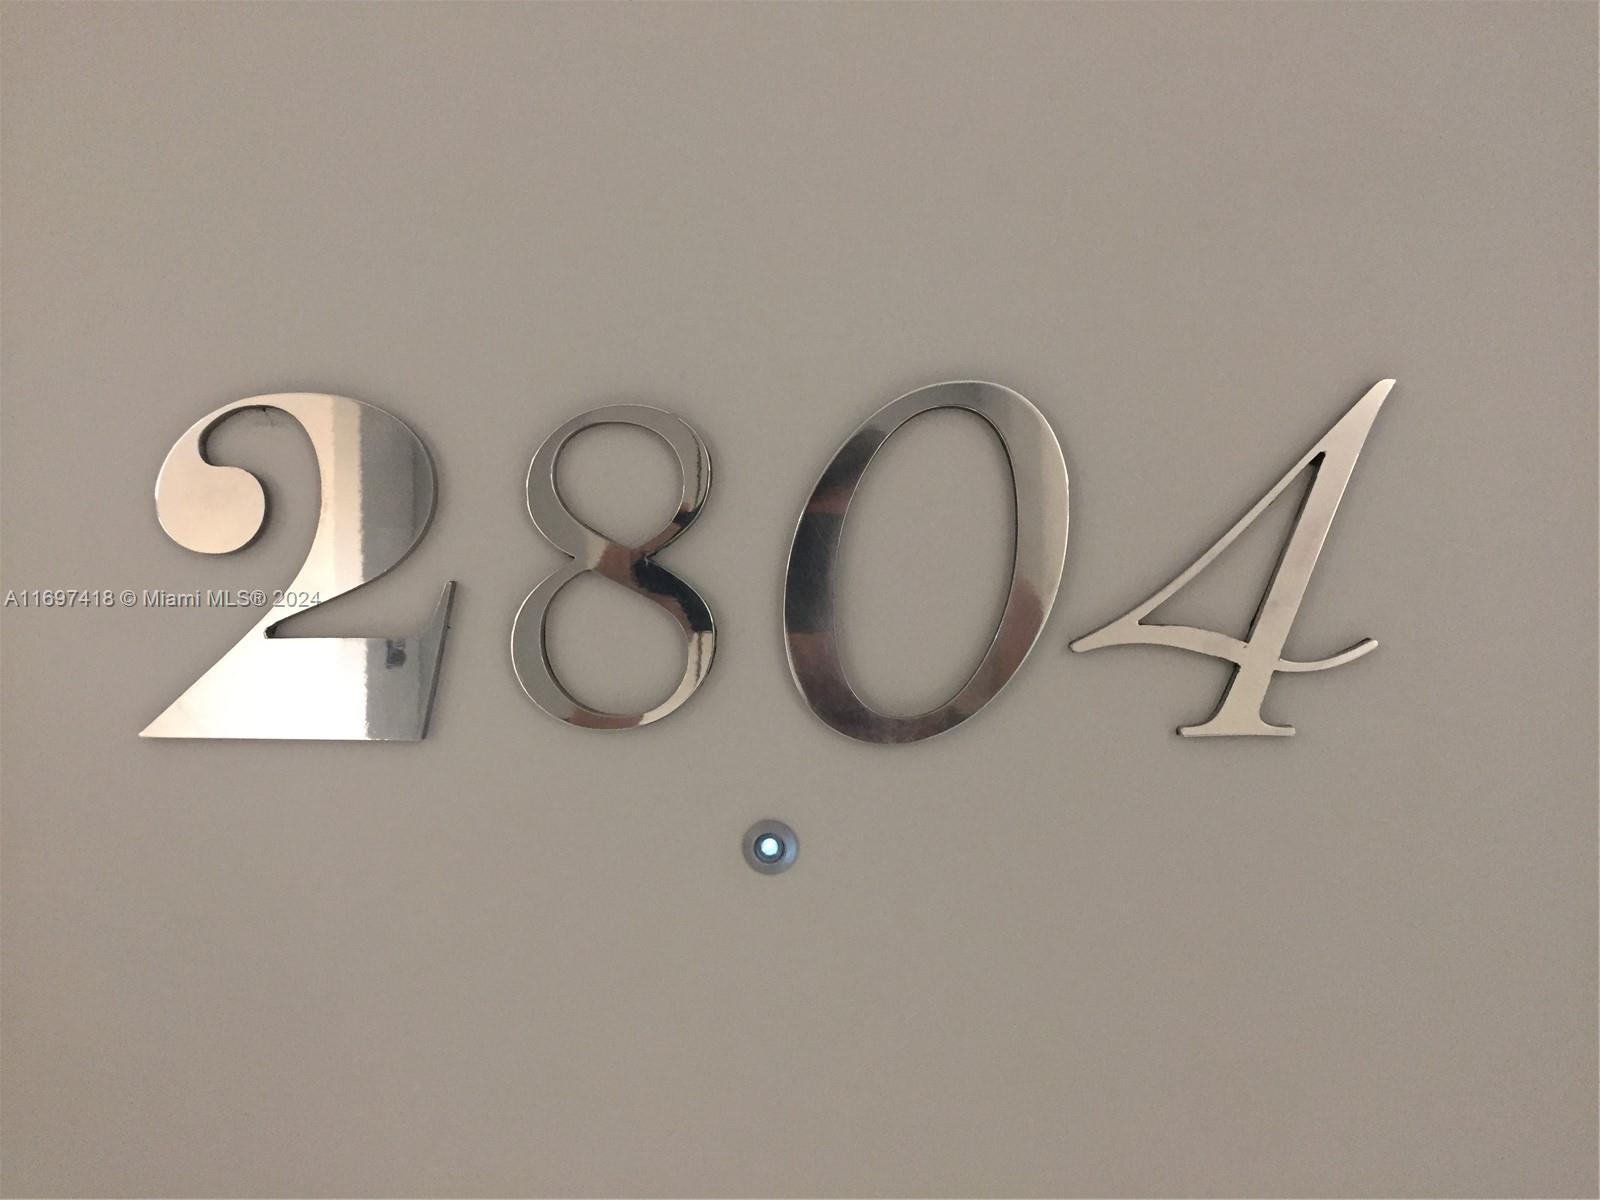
<point x="1039" y="482"/>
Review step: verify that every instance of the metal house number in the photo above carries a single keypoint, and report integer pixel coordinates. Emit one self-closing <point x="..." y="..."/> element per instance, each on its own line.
<point x="377" y="496"/>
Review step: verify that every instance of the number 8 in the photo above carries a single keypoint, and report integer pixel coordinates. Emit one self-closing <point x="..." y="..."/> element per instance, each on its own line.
<point x="628" y="566"/>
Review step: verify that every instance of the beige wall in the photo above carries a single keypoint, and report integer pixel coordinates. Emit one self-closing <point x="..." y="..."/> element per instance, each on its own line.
<point x="1060" y="951"/>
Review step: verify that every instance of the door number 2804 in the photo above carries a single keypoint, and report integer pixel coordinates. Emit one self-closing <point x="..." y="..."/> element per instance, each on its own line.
<point x="377" y="496"/>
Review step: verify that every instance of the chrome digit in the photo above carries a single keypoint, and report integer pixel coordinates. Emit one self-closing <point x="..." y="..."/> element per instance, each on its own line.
<point x="1260" y="655"/>
<point x="377" y="497"/>
<point x="632" y="567"/>
<point x="1039" y="479"/>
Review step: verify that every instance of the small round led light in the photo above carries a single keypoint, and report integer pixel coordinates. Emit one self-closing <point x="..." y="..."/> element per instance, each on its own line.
<point x="770" y="847"/>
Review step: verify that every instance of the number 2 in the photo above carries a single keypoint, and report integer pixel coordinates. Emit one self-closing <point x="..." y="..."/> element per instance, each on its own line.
<point x="377" y="488"/>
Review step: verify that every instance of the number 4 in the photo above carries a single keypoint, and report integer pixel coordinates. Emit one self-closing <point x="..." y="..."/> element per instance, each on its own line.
<point x="1259" y="656"/>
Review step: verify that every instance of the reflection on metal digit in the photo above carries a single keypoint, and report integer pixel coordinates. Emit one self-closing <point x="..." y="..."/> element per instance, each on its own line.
<point x="1259" y="656"/>
<point x="632" y="567"/>
<point x="377" y="488"/>
<point x="1039" y="480"/>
